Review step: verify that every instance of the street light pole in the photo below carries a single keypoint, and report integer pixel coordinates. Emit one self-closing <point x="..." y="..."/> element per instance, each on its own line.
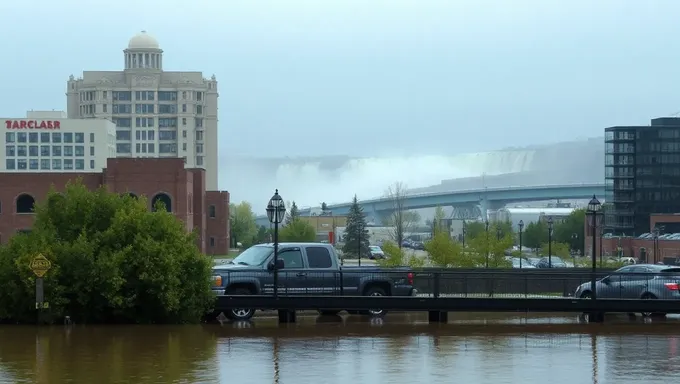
<point x="574" y="237"/>
<point x="276" y="212"/>
<point x="550" y="234"/>
<point x="359" y="246"/>
<point x="594" y="218"/>
<point x="486" y="225"/>
<point x="521" y="256"/>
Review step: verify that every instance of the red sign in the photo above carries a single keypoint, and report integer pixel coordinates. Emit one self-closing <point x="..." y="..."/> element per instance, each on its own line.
<point x="32" y="124"/>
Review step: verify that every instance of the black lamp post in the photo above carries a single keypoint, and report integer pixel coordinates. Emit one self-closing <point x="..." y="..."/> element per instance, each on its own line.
<point x="574" y="239"/>
<point x="655" y="234"/>
<point x="521" y="256"/>
<point x="486" y="226"/>
<point x="550" y="234"/>
<point x="464" y="232"/>
<point x="594" y="219"/>
<point x="276" y="211"/>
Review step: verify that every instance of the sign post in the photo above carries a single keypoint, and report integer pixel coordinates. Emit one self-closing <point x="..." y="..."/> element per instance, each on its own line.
<point x="40" y="265"/>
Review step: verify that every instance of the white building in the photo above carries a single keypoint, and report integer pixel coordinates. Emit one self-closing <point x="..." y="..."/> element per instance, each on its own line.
<point x="45" y="143"/>
<point x="157" y="113"/>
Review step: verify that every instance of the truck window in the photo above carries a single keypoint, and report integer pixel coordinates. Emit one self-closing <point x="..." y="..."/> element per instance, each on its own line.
<point x="319" y="257"/>
<point x="292" y="258"/>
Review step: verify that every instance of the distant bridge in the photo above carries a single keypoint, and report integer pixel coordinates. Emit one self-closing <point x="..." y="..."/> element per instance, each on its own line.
<point x="474" y="202"/>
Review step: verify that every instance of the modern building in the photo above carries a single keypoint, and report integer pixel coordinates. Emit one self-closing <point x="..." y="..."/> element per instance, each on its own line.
<point x="157" y="113"/>
<point x="46" y="141"/>
<point x="181" y="189"/>
<point x="642" y="174"/>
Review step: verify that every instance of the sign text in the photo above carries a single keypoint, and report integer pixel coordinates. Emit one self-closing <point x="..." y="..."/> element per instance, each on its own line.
<point x="32" y="124"/>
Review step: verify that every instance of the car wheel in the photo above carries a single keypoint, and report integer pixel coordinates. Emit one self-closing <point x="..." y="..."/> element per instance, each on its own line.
<point x="325" y="312"/>
<point x="375" y="291"/>
<point x="649" y="296"/>
<point x="240" y="314"/>
<point x="586" y="295"/>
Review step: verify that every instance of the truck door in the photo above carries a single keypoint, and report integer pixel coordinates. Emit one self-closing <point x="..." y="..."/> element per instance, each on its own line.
<point x="323" y="276"/>
<point x="292" y="278"/>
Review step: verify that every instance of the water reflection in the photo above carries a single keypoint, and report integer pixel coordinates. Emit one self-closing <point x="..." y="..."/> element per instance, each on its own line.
<point x="474" y="348"/>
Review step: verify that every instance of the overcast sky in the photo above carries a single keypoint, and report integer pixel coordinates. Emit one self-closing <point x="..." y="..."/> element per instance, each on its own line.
<point x="371" y="77"/>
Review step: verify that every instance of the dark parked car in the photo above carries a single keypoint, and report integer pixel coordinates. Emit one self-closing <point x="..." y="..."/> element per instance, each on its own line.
<point x="305" y="269"/>
<point x="639" y="281"/>
<point x="553" y="262"/>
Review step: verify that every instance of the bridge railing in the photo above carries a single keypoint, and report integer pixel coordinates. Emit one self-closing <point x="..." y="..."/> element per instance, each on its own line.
<point x="434" y="282"/>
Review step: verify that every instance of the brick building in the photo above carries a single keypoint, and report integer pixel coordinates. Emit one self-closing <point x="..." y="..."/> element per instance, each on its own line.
<point x="181" y="189"/>
<point x="642" y="249"/>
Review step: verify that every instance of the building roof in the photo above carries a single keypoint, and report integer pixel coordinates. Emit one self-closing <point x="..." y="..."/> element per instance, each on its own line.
<point x="143" y="40"/>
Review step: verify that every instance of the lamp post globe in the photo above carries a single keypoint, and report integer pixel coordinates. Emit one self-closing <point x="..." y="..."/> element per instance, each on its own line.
<point x="276" y="209"/>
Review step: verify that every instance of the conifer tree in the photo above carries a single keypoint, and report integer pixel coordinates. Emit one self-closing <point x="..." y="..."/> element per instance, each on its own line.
<point x="356" y="236"/>
<point x="293" y="213"/>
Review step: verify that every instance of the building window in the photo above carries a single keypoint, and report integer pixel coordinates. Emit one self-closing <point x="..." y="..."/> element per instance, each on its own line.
<point x="184" y="95"/>
<point x="10" y="164"/>
<point x="184" y="133"/>
<point x="22" y="137"/>
<point x="122" y="122"/>
<point x="144" y="108"/>
<point x="184" y="121"/>
<point x="167" y="95"/>
<point x="212" y="241"/>
<point x="184" y="108"/>
<point x="122" y="135"/>
<point x="10" y="150"/>
<point x="144" y="122"/>
<point x="56" y="150"/>
<point x="163" y="199"/>
<point x="167" y="122"/>
<point x="184" y="146"/>
<point x="199" y="109"/>
<point x="45" y="137"/>
<point x="44" y="150"/>
<point x="33" y="150"/>
<point x="10" y="137"/>
<point x="199" y="135"/>
<point x="167" y="148"/>
<point x="151" y="135"/>
<point x="33" y="164"/>
<point x="198" y="122"/>
<point x="199" y="96"/>
<point x="92" y="137"/>
<point x="80" y="164"/>
<point x="56" y="164"/>
<point x="123" y="148"/>
<point x="21" y="150"/>
<point x="44" y="163"/>
<point x="56" y="137"/>
<point x="167" y="135"/>
<point x="122" y="109"/>
<point x="91" y="151"/>
<point x="211" y="211"/>
<point x="91" y="164"/>
<point x="199" y="148"/>
<point x="80" y="137"/>
<point x="68" y="137"/>
<point x="199" y="160"/>
<point x="68" y="164"/>
<point x="68" y="150"/>
<point x="33" y="137"/>
<point x="22" y="164"/>
<point x="25" y="203"/>
<point x="105" y="108"/>
<point x="80" y="150"/>
<point x="145" y="95"/>
<point x="168" y="109"/>
<point x="122" y="95"/>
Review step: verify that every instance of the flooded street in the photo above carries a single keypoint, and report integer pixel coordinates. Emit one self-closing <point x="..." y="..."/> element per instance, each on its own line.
<point x="472" y="348"/>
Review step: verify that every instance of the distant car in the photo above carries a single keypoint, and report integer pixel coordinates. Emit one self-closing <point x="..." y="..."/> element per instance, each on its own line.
<point x="418" y="245"/>
<point x="406" y="244"/>
<point x="376" y="252"/>
<point x="524" y="263"/>
<point x="552" y="262"/>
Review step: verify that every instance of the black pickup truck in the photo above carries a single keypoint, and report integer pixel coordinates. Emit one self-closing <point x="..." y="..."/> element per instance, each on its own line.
<point x="305" y="269"/>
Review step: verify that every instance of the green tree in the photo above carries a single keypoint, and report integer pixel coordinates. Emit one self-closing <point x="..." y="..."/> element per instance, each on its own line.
<point x="398" y="257"/>
<point x="572" y="224"/>
<point x="535" y="234"/>
<point x="356" y="238"/>
<point x="242" y="223"/>
<point x="474" y="229"/>
<point x="263" y="235"/>
<point x="399" y="218"/>
<point x="491" y="244"/>
<point x="558" y="249"/>
<point x="112" y="261"/>
<point x="437" y="224"/>
<point x="298" y="230"/>
<point x="446" y="253"/>
<point x="293" y="213"/>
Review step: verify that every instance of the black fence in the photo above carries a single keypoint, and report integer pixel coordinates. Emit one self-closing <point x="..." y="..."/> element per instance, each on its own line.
<point x="429" y="282"/>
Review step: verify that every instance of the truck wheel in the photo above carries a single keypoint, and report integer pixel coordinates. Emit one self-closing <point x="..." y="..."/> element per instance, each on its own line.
<point x="375" y="291"/>
<point x="239" y="314"/>
<point x="325" y="312"/>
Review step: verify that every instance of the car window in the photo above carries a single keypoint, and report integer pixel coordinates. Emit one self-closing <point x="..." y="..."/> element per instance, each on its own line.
<point x="292" y="258"/>
<point x="319" y="257"/>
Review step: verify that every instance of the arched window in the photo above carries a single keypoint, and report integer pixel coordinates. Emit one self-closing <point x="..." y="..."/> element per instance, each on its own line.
<point x="162" y="198"/>
<point x="25" y="203"/>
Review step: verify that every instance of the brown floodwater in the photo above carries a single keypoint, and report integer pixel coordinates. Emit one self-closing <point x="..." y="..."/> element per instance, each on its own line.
<point x="472" y="348"/>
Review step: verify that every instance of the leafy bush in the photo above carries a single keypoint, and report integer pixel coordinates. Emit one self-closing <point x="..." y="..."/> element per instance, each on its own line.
<point x="397" y="257"/>
<point x="112" y="261"/>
